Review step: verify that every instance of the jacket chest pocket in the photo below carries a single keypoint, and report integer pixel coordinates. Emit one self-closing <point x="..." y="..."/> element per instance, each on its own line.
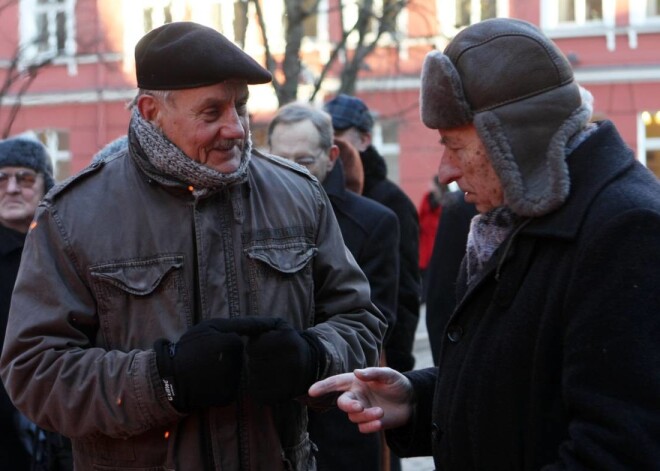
<point x="140" y="300"/>
<point x="281" y="280"/>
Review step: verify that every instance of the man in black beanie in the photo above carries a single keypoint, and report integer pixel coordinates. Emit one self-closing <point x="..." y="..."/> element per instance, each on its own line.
<point x="550" y="359"/>
<point x="179" y="296"/>
<point x="26" y="174"/>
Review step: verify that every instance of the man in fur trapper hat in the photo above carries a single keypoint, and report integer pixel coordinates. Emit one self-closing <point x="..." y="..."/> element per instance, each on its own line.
<point x="551" y="357"/>
<point x="178" y="297"/>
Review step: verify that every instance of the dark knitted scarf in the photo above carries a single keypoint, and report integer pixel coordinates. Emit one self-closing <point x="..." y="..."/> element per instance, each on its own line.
<point x="167" y="164"/>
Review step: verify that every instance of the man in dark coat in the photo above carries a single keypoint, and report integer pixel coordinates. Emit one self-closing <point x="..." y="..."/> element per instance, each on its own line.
<point x="304" y="134"/>
<point x="550" y="360"/>
<point x="26" y="174"/>
<point x="353" y="122"/>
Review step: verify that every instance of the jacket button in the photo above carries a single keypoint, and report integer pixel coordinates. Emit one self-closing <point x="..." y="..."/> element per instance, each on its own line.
<point x="455" y="333"/>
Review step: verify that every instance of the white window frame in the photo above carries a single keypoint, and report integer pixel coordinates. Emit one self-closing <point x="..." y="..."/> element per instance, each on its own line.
<point x="447" y="14"/>
<point x="28" y="13"/>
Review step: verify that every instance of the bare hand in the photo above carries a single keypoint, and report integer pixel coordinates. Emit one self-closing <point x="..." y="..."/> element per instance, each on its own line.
<point x="374" y="398"/>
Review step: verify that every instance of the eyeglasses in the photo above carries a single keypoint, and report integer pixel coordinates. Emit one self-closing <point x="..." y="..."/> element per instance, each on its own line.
<point x="24" y="178"/>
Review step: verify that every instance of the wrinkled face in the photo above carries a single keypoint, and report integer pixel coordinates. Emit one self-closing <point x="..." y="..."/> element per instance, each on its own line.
<point x="465" y="161"/>
<point x="209" y="124"/>
<point x="300" y="142"/>
<point x="21" y="188"/>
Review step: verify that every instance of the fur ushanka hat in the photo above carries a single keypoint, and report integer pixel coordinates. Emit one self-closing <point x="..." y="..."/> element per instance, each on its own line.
<point x="517" y="88"/>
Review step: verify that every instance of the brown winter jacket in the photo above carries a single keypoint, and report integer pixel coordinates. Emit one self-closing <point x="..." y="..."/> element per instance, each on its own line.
<point x="116" y="261"/>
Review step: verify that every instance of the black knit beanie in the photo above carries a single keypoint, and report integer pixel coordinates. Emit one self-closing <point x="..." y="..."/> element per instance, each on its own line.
<point x="30" y="153"/>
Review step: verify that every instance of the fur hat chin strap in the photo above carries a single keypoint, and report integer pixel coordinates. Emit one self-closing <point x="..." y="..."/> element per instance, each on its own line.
<point x="513" y="83"/>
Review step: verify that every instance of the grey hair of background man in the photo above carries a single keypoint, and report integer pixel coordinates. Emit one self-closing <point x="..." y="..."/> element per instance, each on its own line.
<point x="162" y="95"/>
<point x="296" y="112"/>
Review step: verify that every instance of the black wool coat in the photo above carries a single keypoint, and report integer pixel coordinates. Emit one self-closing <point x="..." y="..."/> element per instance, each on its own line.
<point x="399" y="349"/>
<point x="551" y="360"/>
<point x="371" y="234"/>
<point x="13" y="455"/>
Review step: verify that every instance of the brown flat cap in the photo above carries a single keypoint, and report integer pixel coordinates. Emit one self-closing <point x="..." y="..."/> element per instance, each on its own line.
<point x="188" y="55"/>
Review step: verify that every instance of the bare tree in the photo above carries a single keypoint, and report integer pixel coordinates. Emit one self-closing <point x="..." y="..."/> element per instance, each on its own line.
<point x="369" y="28"/>
<point x="18" y="78"/>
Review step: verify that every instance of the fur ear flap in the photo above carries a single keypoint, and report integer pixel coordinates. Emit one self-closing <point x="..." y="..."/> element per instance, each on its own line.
<point x="442" y="101"/>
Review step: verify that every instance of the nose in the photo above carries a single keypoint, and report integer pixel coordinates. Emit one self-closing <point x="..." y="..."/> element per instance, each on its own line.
<point x="12" y="185"/>
<point x="233" y="127"/>
<point x="448" y="171"/>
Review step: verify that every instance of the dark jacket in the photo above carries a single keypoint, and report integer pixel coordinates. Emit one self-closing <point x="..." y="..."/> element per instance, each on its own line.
<point x="117" y="260"/>
<point x="448" y="252"/>
<point x="371" y="233"/>
<point x="551" y="358"/>
<point x="13" y="455"/>
<point x="377" y="187"/>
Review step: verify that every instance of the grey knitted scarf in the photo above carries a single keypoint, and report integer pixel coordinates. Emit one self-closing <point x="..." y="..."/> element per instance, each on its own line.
<point x="165" y="161"/>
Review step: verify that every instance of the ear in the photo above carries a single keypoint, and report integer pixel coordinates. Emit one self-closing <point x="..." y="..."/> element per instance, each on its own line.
<point x="149" y="107"/>
<point x="332" y="156"/>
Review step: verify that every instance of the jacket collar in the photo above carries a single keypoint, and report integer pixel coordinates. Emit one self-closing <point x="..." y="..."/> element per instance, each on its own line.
<point x="592" y="165"/>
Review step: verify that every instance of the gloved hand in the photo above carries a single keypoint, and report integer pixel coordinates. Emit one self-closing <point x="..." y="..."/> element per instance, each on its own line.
<point x="283" y="363"/>
<point x="204" y="367"/>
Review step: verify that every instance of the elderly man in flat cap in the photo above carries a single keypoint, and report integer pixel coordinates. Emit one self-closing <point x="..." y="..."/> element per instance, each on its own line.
<point x="551" y="358"/>
<point x="178" y="297"/>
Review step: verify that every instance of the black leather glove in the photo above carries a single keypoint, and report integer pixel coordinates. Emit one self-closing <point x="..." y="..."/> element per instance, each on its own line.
<point x="283" y="363"/>
<point x="204" y="367"/>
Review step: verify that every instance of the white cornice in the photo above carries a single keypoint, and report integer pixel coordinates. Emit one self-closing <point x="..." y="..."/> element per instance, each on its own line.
<point x="67" y="98"/>
<point x="601" y="75"/>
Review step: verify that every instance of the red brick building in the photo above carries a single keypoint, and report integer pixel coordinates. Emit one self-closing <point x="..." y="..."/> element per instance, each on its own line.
<point x="76" y="103"/>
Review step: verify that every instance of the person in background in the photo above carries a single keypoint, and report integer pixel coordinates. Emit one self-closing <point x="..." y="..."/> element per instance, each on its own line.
<point x="550" y="360"/>
<point x="176" y="298"/>
<point x="303" y="134"/>
<point x="429" y="213"/>
<point x="26" y="174"/>
<point x="353" y="122"/>
<point x="443" y="268"/>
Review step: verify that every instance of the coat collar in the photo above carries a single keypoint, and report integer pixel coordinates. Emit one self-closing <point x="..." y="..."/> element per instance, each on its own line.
<point x="335" y="183"/>
<point x="11" y="240"/>
<point x="596" y="162"/>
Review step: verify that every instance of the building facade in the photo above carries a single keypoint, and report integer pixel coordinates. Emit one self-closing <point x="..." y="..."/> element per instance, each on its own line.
<point x="67" y="70"/>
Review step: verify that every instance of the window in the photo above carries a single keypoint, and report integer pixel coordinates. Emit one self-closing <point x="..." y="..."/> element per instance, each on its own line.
<point x="651" y="141"/>
<point x="155" y="13"/>
<point x="580" y="11"/>
<point x="57" y="143"/>
<point x="457" y="14"/>
<point x="645" y="13"/>
<point x="578" y="17"/>
<point x="385" y="137"/>
<point x="473" y="11"/>
<point x="47" y="28"/>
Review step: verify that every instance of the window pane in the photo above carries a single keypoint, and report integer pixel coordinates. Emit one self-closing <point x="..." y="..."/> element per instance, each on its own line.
<point x="653" y="161"/>
<point x="61" y="31"/>
<point x="462" y="13"/>
<point x="488" y="9"/>
<point x="42" y="33"/>
<point x="240" y="22"/>
<point x="167" y="14"/>
<point x="147" y="21"/>
<point x="566" y="10"/>
<point x="653" y="7"/>
<point x="594" y="9"/>
<point x="309" y="23"/>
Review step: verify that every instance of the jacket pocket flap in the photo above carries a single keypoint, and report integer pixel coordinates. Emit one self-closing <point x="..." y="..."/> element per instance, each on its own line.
<point x="138" y="278"/>
<point x="283" y="259"/>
